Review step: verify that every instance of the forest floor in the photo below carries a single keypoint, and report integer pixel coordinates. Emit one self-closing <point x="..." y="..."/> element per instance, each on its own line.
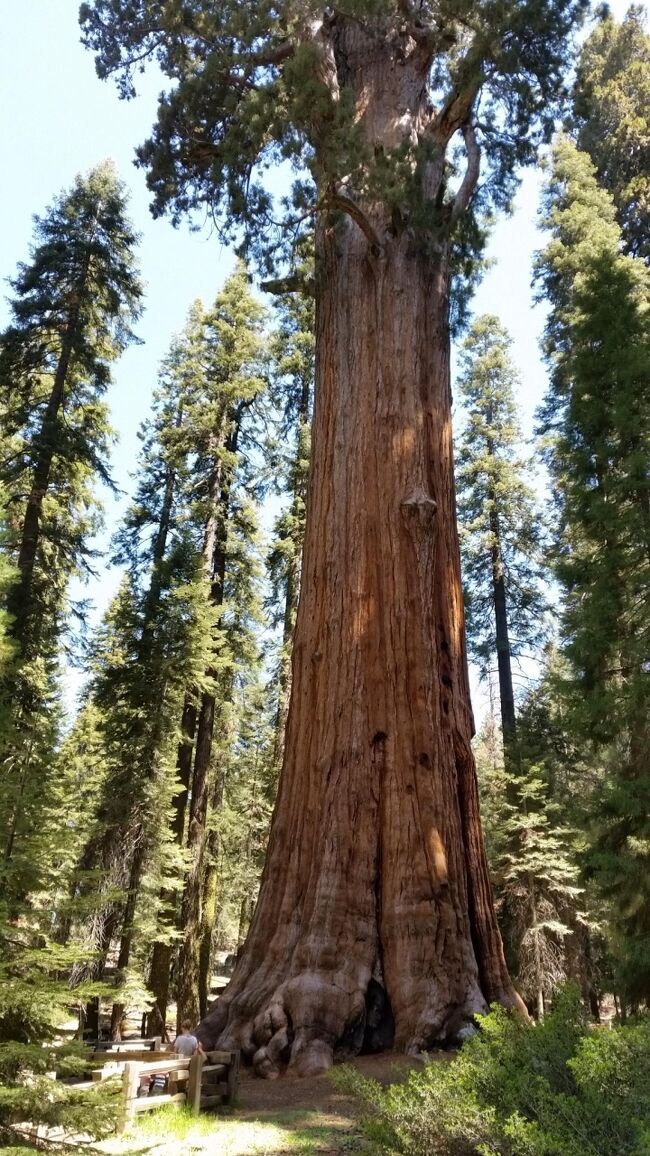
<point x="285" y="1117"/>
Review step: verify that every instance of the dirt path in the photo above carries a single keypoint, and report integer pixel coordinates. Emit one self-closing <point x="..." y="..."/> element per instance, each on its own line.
<point x="316" y="1093"/>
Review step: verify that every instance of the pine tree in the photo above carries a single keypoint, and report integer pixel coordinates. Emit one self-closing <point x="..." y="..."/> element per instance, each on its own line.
<point x="154" y="643"/>
<point x="537" y="873"/>
<point x="596" y="420"/>
<point x="216" y="429"/>
<point x="374" y="101"/>
<point x="241" y="623"/>
<point x="246" y="813"/>
<point x="611" y="117"/>
<point x="572" y="772"/>
<point x="6" y="579"/>
<point x="501" y="527"/>
<point x="534" y="852"/>
<point x="72" y="308"/>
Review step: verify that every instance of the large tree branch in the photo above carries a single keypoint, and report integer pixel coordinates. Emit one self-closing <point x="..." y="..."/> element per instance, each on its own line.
<point x="470" y="180"/>
<point x="346" y="205"/>
<point x="274" y="54"/>
<point x="293" y="283"/>
<point x="456" y="110"/>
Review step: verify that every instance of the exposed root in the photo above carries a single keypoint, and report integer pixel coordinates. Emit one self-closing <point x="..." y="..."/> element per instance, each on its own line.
<point x="308" y="1022"/>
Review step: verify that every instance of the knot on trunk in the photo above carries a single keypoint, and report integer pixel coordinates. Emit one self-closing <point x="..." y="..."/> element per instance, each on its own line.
<point x="418" y="509"/>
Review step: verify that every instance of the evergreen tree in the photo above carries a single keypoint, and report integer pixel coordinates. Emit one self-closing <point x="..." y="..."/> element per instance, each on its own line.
<point x="534" y="853"/>
<point x="596" y="420"/>
<point x="537" y="875"/>
<point x="246" y="813"/>
<point x="611" y="116"/>
<point x="72" y="308"/>
<point x="6" y="579"/>
<point x="217" y="431"/>
<point x="388" y="107"/>
<point x="501" y="530"/>
<point x="153" y="644"/>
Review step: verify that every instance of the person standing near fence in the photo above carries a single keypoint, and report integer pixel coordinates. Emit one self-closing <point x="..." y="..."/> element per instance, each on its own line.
<point x="186" y="1044"/>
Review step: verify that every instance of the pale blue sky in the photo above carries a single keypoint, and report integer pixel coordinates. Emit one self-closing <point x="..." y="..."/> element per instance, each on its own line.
<point x="57" y="119"/>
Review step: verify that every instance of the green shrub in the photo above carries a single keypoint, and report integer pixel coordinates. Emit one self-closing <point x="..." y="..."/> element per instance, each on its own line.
<point x="35" y="999"/>
<point x="556" y="1089"/>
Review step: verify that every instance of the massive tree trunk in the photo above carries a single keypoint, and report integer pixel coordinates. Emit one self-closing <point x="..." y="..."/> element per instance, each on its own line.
<point x="376" y="875"/>
<point x="376" y="863"/>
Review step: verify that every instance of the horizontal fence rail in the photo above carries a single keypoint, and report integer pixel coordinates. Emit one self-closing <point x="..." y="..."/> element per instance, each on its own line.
<point x="204" y="1082"/>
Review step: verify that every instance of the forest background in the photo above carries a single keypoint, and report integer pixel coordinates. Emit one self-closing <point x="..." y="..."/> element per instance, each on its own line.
<point x="108" y="849"/>
<point x="61" y="121"/>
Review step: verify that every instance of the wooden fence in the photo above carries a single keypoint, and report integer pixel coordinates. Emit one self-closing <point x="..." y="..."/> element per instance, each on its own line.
<point x="153" y="1044"/>
<point x="201" y="1083"/>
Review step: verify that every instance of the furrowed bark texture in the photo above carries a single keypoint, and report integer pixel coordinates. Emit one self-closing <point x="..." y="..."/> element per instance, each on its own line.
<point x="375" y="888"/>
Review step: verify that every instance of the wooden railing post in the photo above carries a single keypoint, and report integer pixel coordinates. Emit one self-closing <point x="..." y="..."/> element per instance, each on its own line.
<point x="194" y="1083"/>
<point x="130" y="1085"/>
<point x="233" y="1078"/>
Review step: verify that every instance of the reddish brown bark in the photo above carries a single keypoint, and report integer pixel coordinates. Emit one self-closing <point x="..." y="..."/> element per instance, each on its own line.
<point x="376" y="866"/>
<point x="376" y="861"/>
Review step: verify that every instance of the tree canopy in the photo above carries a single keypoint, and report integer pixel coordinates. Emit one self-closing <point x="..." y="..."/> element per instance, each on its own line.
<point x="256" y="84"/>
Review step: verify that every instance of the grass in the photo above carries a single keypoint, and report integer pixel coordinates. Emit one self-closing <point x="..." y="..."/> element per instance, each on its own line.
<point x="296" y="1133"/>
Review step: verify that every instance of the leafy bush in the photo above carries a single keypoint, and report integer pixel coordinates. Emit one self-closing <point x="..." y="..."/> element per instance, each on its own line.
<point x="556" y="1089"/>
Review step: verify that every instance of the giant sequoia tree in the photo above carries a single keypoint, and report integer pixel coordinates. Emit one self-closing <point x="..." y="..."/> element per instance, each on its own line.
<point x="375" y="868"/>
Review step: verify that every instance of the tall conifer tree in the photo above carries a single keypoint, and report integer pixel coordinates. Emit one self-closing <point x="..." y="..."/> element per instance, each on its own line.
<point x="216" y="430"/>
<point x="611" y="117"/>
<point x="154" y="642"/>
<point x="597" y="421"/>
<point x="378" y="803"/>
<point x="501" y="530"/>
<point x="73" y="306"/>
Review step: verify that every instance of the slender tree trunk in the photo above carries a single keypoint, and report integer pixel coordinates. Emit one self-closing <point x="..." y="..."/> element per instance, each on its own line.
<point x="208" y="919"/>
<point x="18" y="804"/>
<point x="292" y="588"/>
<point x="184" y="766"/>
<point x="376" y="864"/>
<point x="244" y="922"/>
<point x="163" y="949"/>
<point x="246" y="907"/>
<point x="126" y="941"/>
<point x="188" y="997"/>
<point x="539" y="970"/>
<point x="504" y="654"/>
<point x="210" y="894"/>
